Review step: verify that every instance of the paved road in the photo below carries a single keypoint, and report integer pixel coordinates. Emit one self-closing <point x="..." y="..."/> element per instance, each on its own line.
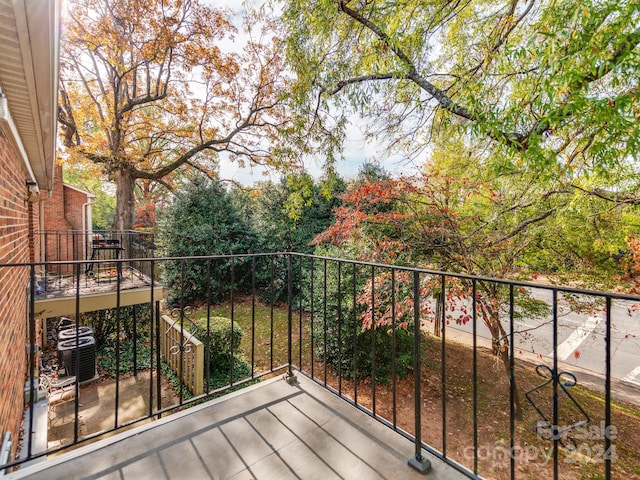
<point x="580" y="336"/>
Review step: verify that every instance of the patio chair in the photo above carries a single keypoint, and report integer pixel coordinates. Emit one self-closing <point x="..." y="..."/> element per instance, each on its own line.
<point x="59" y="391"/>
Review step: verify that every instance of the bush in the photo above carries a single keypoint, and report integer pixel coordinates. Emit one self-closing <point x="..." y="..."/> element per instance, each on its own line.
<point x="345" y="337"/>
<point x="337" y="330"/>
<point x="106" y="357"/>
<point x="221" y="344"/>
<point x="241" y="371"/>
<point x="187" y="279"/>
<point x="286" y="217"/>
<point x="134" y="319"/>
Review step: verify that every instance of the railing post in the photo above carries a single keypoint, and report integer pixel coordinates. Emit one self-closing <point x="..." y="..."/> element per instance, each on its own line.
<point x="159" y="337"/>
<point x="512" y="385"/>
<point x="299" y="288"/>
<point x="207" y="347"/>
<point x="394" y="363"/>
<point x="289" y="376"/>
<point x="324" y="320"/>
<point x="182" y="307"/>
<point x="373" y="340"/>
<point x="271" y="311"/>
<point x="474" y="303"/>
<point x="608" y="453"/>
<point x="76" y="352"/>
<point x="418" y="462"/>
<point x="312" y="307"/>
<point x="443" y="361"/>
<point x="355" y="332"/>
<point x="339" y="292"/>
<point x="554" y="426"/>
<point x="152" y="336"/>
<point x="33" y="382"/>
<point x="232" y="300"/>
<point x="118" y="344"/>
<point x="253" y="316"/>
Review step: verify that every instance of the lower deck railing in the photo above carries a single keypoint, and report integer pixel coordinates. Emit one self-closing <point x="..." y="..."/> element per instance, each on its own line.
<point x="499" y="379"/>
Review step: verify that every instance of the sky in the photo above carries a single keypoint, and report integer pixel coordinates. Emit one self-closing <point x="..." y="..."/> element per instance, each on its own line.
<point x="356" y="150"/>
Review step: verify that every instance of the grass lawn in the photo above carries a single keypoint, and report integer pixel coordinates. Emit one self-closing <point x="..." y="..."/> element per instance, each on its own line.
<point x="264" y="333"/>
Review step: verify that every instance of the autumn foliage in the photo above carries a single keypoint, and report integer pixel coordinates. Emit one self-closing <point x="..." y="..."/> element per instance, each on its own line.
<point x="439" y="223"/>
<point x="148" y="92"/>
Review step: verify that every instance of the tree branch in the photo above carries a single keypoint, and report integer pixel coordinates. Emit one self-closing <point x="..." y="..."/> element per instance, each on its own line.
<point x="619" y="198"/>
<point x="519" y="141"/>
<point x="524" y="225"/>
<point x="66" y="119"/>
<point x="444" y="100"/>
<point x="362" y="79"/>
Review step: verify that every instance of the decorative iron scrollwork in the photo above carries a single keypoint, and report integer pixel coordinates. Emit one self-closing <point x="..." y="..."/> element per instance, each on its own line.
<point x="186" y="312"/>
<point x="545" y="428"/>
<point x="178" y="347"/>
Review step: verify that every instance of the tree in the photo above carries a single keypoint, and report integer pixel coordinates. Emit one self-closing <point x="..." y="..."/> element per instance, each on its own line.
<point x="87" y="178"/>
<point x="543" y="93"/>
<point x="204" y="221"/>
<point x="146" y="91"/>
<point x="286" y="216"/>
<point x="371" y="172"/>
<point x="289" y="214"/>
<point x="570" y="236"/>
<point x="453" y="224"/>
<point x="551" y="86"/>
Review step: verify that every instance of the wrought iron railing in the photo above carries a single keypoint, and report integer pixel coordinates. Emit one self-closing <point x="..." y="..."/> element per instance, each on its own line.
<point x="59" y="248"/>
<point x="70" y="245"/>
<point x="499" y="379"/>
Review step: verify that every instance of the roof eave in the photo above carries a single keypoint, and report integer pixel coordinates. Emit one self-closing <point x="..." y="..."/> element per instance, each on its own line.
<point x="31" y="85"/>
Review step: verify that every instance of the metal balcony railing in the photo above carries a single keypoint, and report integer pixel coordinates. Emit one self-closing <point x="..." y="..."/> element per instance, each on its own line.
<point x="500" y="379"/>
<point x="70" y="245"/>
<point x="61" y="247"/>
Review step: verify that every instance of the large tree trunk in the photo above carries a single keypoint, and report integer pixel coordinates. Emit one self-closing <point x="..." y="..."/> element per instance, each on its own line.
<point x="125" y="200"/>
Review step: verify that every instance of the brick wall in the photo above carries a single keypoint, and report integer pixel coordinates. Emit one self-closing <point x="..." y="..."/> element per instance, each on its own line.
<point x="74" y="211"/>
<point x="63" y="213"/>
<point x="73" y="207"/>
<point x="57" y="238"/>
<point x="14" y="247"/>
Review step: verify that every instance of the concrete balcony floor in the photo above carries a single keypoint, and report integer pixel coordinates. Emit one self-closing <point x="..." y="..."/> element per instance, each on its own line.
<point x="271" y="430"/>
<point x="97" y="292"/>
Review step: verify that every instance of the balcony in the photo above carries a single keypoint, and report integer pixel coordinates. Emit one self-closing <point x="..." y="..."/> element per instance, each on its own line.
<point x="98" y="278"/>
<point x="350" y="370"/>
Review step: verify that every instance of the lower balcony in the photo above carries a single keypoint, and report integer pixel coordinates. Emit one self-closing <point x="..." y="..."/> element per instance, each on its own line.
<point x="295" y="366"/>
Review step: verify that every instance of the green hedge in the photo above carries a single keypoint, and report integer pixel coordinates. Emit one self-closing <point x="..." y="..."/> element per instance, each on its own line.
<point x="221" y="343"/>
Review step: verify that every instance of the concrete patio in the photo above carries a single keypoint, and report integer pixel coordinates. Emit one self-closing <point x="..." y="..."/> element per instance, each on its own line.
<point x="271" y="430"/>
